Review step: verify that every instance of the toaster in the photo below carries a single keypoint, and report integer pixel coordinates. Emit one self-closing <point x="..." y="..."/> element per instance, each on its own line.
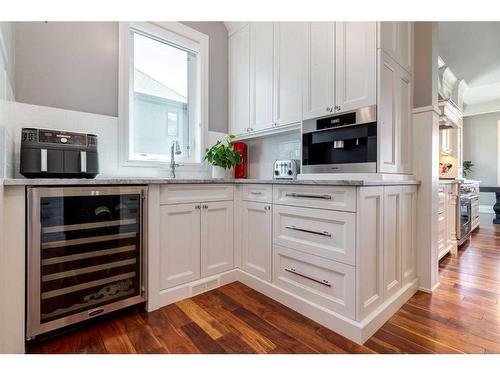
<point x="58" y="154"/>
<point x="286" y="169"/>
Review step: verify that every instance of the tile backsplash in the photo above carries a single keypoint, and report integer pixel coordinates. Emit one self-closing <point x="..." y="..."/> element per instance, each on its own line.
<point x="263" y="152"/>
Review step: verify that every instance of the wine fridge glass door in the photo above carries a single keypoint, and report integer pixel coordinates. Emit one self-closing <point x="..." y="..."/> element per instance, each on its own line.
<point x="85" y="254"/>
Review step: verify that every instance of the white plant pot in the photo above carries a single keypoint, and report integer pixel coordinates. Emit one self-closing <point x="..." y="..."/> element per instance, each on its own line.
<point x="218" y="172"/>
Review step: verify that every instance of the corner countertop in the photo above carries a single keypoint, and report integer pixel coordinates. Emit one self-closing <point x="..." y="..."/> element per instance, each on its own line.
<point x="150" y="181"/>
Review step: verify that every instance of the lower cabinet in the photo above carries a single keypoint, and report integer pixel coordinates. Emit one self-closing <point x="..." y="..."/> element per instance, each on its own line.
<point x="216" y="237"/>
<point x="196" y="241"/>
<point x="256" y="239"/>
<point x="447" y="219"/>
<point x="180" y="243"/>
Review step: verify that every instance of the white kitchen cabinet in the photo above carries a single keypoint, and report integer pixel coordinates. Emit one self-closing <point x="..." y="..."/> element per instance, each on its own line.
<point x="179" y="244"/>
<point x="394" y="117"/>
<point x="261" y="75"/>
<point x="318" y="75"/>
<point x="392" y="239"/>
<point x="370" y="249"/>
<point x="396" y="39"/>
<point x="408" y="234"/>
<point x="287" y="73"/>
<point x="447" y="219"/>
<point x="239" y="80"/>
<point x="216" y="237"/>
<point x="256" y="239"/>
<point x="356" y="65"/>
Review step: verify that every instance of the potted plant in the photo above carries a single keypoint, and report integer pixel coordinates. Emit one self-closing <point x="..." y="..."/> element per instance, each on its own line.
<point x="222" y="157"/>
<point x="467" y="167"/>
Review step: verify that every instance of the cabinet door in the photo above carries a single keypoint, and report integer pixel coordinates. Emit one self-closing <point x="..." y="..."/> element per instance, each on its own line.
<point x="318" y="76"/>
<point x="396" y="39"/>
<point x="216" y="237"/>
<point x="261" y="75"/>
<point x="180" y="244"/>
<point x="392" y="239"/>
<point x="287" y="72"/>
<point x="356" y="65"/>
<point x="452" y="215"/>
<point x="394" y="117"/>
<point x="370" y="251"/>
<point x="239" y="80"/>
<point x="404" y="120"/>
<point x="256" y="241"/>
<point x="408" y="234"/>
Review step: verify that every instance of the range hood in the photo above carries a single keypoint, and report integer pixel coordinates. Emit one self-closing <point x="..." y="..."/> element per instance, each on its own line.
<point x="449" y="114"/>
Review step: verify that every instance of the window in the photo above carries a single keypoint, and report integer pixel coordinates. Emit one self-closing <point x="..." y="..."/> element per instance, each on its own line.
<point x="163" y="86"/>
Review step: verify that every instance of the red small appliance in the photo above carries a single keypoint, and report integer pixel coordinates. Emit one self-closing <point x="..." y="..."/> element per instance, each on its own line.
<point x="240" y="171"/>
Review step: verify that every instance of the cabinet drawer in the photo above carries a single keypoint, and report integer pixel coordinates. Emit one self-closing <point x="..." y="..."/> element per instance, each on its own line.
<point x="186" y="193"/>
<point x="326" y="197"/>
<point x="257" y="193"/>
<point x="324" y="282"/>
<point x="328" y="234"/>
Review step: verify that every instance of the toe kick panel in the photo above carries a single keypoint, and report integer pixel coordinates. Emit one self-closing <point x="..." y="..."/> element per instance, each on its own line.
<point x="324" y="282"/>
<point x="327" y="234"/>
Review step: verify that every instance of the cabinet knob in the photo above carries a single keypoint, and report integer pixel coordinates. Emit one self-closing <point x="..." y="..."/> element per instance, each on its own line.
<point x="205" y="206"/>
<point x="197" y="207"/>
<point x="328" y="109"/>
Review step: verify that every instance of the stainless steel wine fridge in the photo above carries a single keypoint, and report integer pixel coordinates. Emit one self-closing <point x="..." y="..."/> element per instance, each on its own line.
<point x="86" y="253"/>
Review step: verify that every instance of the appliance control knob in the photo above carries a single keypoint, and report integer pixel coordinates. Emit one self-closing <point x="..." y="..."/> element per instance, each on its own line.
<point x="64" y="140"/>
<point x="276" y="172"/>
<point x="289" y="172"/>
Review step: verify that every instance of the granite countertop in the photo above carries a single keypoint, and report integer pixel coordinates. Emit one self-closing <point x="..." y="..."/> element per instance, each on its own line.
<point x="450" y="181"/>
<point x="148" y="181"/>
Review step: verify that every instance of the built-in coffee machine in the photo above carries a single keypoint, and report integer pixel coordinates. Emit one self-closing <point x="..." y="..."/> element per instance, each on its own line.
<point x="343" y="143"/>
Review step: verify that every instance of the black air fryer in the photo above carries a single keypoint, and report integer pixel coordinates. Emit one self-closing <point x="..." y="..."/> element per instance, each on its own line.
<point x="58" y="154"/>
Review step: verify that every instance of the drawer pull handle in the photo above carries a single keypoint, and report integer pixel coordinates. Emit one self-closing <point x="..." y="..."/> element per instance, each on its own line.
<point x="323" y="233"/>
<point x="256" y="192"/>
<point x="295" y="272"/>
<point x="316" y="196"/>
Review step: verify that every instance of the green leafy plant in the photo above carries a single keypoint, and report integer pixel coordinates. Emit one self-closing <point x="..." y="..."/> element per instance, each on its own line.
<point x="467" y="167"/>
<point x="222" y="154"/>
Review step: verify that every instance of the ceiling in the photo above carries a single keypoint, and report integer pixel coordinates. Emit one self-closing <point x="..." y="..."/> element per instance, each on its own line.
<point x="472" y="51"/>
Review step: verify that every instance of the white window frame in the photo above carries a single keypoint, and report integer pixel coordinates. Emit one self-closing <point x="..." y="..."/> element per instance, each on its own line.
<point x="183" y="35"/>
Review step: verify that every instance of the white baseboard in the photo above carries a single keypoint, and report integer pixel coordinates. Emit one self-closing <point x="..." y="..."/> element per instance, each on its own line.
<point x="427" y="290"/>
<point x="356" y="331"/>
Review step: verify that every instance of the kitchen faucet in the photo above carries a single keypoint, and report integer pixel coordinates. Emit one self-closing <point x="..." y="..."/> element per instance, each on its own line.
<point x="175" y="149"/>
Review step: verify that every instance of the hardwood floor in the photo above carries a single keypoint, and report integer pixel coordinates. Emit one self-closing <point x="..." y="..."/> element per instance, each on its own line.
<point x="461" y="316"/>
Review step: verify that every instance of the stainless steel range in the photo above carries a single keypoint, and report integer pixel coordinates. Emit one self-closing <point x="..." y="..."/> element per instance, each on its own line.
<point x="469" y="215"/>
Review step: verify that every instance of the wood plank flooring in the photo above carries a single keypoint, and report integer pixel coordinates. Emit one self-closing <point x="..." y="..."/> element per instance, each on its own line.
<point x="462" y="316"/>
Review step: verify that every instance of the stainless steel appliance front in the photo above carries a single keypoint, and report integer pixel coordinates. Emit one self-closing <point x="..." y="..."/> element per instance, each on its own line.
<point x="342" y="143"/>
<point x="86" y="251"/>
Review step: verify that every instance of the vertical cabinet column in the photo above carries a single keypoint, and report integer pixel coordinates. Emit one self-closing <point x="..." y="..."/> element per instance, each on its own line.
<point x="392" y="239"/>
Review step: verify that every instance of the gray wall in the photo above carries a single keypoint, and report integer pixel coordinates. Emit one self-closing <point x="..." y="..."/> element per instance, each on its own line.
<point x="74" y="65"/>
<point x="481" y="147"/>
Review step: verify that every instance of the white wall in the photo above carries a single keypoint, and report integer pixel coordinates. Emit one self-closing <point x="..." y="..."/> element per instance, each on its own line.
<point x="74" y="65"/>
<point x="481" y="146"/>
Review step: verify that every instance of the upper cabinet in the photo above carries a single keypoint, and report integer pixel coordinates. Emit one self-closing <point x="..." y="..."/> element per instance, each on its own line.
<point x="261" y="75"/>
<point x="318" y="74"/>
<point x="239" y="80"/>
<point x="356" y="65"/>
<point x="339" y="67"/>
<point x="396" y="39"/>
<point x="287" y="73"/>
